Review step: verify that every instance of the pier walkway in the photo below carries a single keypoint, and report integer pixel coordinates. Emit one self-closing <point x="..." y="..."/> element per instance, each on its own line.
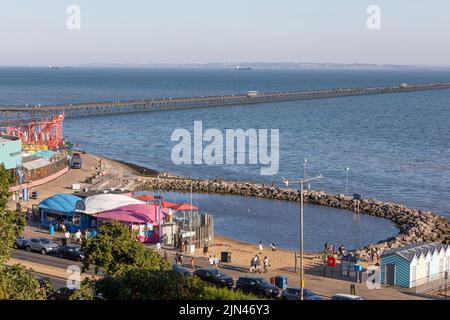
<point x="27" y="112"/>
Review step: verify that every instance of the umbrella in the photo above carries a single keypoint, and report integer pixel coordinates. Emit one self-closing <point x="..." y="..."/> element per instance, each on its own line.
<point x="185" y="207"/>
<point x="167" y="204"/>
<point x="146" y="197"/>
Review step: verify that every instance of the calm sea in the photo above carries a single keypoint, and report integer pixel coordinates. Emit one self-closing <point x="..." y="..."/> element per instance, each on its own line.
<point x="397" y="146"/>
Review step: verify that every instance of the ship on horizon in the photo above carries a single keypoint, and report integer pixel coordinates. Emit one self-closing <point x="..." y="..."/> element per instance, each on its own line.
<point x="55" y="67"/>
<point x="239" y="68"/>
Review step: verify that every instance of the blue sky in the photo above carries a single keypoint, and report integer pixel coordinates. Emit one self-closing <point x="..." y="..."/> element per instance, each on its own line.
<point x="202" y="31"/>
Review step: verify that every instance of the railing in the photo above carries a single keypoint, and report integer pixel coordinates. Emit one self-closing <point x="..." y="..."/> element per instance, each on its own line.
<point x="430" y="282"/>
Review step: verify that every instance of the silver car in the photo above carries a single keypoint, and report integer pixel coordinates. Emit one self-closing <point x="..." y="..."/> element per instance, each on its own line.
<point x="42" y="245"/>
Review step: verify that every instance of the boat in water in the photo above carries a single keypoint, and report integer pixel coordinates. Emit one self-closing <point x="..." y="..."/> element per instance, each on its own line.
<point x="239" y="68"/>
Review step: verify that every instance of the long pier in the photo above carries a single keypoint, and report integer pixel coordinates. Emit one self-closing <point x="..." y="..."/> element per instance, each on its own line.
<point x="11" y="113"/>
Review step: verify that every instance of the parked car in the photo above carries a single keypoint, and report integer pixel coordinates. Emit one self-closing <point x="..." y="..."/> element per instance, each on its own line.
<point x="257" y="286"/>
<point x="63" y="293"/>
<point x="42" y="245"/>
<point x="215" y="277"/>
<point x="20" y="243"/>
<point x="43" y="281"/>
<point x="294" y="294"/>
<point x="72" y="252"/>
<point x="181" y="270"/>
<point x="344" y="296"/>
<point x="75" y="161"/>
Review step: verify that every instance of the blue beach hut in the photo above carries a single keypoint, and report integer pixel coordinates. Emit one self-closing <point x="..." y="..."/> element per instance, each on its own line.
<point x="415" y="265"/>
<point x="64" y="207"/>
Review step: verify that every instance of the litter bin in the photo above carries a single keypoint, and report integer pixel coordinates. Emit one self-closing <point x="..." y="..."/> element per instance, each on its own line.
<point x="225" y="256"/>
<point x="51" y="229"/>
<point x="281" y="282"/>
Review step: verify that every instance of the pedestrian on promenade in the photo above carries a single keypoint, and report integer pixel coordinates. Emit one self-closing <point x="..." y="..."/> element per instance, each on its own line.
<point x="176" y="259"/>
<point x="205" y="249"/>
<point x="260" y="247"/>
<point x="158" y="246"/>
<point x="78" y="236"/>
<point x="63" y="226"/>
<point x="273" y="247"/>
<point x="211" y="261"/>
<point x="193" y="263"/>
<point x="266" y="264"/>
<point x="66" y="237"/>
<point x="166" y="257"/>
<point x="252" y="265"/>
<point x="258" y="264"/>
<point x="216" y="262"/>
<point x="180" y="259"/>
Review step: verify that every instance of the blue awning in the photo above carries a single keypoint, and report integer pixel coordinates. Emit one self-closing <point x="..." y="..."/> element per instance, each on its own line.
<point x="64" y="203"/>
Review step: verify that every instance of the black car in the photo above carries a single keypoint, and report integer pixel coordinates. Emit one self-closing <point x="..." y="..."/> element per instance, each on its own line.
<point x="181" y="270"/>
<point x="257" y="286"/>
<point x="215" y="277"/>
<point x="72" y="252"/>
<point x="20" y="243"/>
<point x="61" y="294"/>
<point x="294" y="294"/>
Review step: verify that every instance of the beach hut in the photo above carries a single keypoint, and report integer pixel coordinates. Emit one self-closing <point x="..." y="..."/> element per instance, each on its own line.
<point x="415" y="265"/>
<point x="143" y="219"/>
<point x="64" y="207"/>
<point x="108" y="201"/>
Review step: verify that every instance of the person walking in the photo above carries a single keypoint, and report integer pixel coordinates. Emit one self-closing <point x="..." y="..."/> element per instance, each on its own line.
<point x="266" y="264"/>
<point x="78" y="236"/>
<point x="193" y="263"/>
<point x="252" y="265"/>
<point x="205" y="249"/>
<point x="260" y="247"/>
<point x="63" y="227"/>
<point x="180" y="259"/>
<point x="158" y="246"/>
<point x="216" y="262"/>
<point x="258" y="264"/>
<point x="66" y="238"/>
<point x="273" y="247"/>
<point x="211" y="261"/>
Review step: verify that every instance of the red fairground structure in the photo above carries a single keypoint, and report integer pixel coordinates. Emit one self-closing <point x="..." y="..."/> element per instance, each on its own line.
<point x="45" y="134"/>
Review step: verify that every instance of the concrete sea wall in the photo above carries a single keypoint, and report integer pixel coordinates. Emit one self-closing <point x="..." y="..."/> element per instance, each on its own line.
<point x="415" y="225"/>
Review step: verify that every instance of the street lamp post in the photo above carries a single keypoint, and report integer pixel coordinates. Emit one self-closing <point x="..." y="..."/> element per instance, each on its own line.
<point x="301" y="182"/>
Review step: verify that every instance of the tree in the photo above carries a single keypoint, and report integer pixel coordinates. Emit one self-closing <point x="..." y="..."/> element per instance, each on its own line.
<point x="145" y="284"/>
<point x="11" y="223"/>
<point x="16" y="282"/>
<point x="116" y="250"/>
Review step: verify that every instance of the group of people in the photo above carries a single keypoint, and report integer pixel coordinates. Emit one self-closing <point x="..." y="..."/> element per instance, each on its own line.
<point x="213" y="262"/>
<point x="255" y="264"/>
<point x="261" y="248"/>
<point x="78" y="236"/>
<point x="330" y="250"/>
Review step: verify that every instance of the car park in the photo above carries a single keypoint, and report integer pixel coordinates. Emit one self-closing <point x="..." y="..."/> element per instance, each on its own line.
<point x="215" y="277"/>
<point x="257" y="286"/>
<point x="72" y="252"/>
<point x="295" y="294"/>
<point x="42" y="245"/>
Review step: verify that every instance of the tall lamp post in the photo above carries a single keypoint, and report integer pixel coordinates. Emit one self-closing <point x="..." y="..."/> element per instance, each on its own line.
<point x="301" y="182"/>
